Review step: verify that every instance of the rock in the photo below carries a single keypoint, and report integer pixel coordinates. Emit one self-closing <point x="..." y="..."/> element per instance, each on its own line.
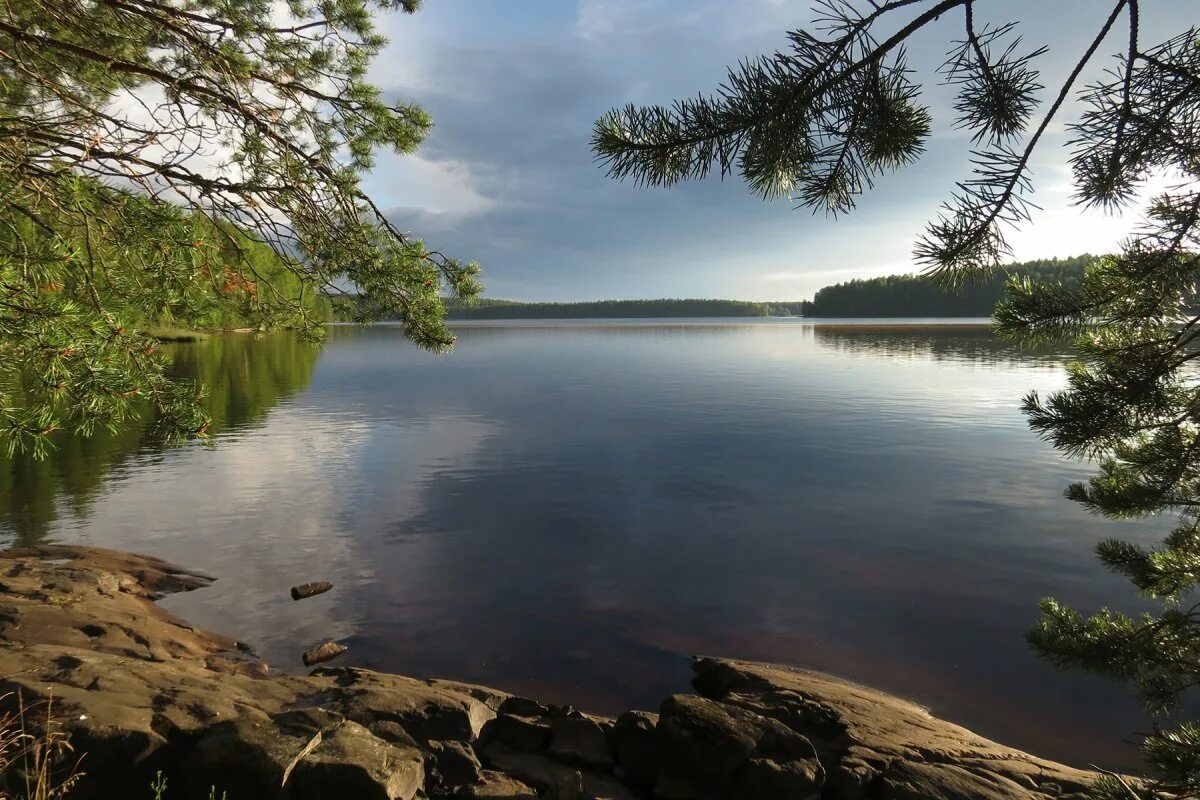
<point x="567" y="786"/>
<point x="350" y="761"/>
<point x="765" y="778"/>
<point x="633" y="741"/>
<point x="524" y="707"/>
<point x="727" y="751"/>
<point x="456" y="763"/>
<point x="140" y="691"/>
<point x="582" y="741"/>
<point x="521" y="733"/>
<point x="392" y="732"/>
<point x="495" y="786"/>
<point x="425" y="712"/>
<point x="545" y="773"/>
<point x="310" y="589"/>
<point x="323" y="652"/>
<point x="873" y="744"/>
<point x="492" y="698"/>
<point x="247" y="758"/>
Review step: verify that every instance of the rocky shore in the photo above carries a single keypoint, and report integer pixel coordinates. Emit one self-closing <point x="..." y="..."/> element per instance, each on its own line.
<point x="140" y="691"/>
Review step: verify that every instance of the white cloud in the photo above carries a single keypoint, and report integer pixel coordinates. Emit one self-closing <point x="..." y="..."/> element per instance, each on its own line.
<point x="437" y="186"/>
<point x="600" y="18"/>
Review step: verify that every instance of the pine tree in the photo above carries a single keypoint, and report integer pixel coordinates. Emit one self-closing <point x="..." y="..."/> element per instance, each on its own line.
<point x="819" y="122"/>
<point x="189" y="162"/>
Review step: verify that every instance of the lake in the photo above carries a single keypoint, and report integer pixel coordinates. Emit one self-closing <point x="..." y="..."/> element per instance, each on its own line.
<point x="571" y="509"/>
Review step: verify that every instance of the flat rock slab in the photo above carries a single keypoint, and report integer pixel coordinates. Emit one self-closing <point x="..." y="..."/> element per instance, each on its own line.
<point x="140" y="691"/>
<point x="875" y="744"/>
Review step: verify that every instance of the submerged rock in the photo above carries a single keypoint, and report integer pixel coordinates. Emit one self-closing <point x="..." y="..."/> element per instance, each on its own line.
<point x="141" y="691"/>
<point x="310" y="589"/>
<point x="322" y="653"/>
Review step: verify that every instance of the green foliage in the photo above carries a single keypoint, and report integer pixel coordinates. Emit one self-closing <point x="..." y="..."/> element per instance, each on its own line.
<point x="810" y="122"/>
<point x="244" y="376"/>
<point x="1132" y="403"/>
<point x="188" y="164"/>
<point x="922" y="296"/>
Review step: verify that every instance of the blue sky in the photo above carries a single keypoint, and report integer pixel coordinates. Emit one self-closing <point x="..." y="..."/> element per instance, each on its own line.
<point x="507" y="178"/>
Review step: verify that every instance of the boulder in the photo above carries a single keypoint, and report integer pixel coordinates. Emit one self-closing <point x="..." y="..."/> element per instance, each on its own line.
<point x="727" y="751"/>
<point x="525" y="734"/>
<point x="524" y="707"/>
<point x="633" y="741"/>
<point x="350" y="761"/>
<point x="546" y="774"/>
<point x="581" y="741"/>
<point x="425" y="712"/>
<point x="495" y="786"/>
<point x="247" y="758"/>
<point x="455" y="762"/>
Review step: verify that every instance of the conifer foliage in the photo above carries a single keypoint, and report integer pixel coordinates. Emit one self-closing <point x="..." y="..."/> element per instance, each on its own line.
<point x="184" y="162"/>
<point x="819" y="122"/>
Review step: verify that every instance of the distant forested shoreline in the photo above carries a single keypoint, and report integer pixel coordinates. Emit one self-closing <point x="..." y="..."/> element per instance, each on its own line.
<point x="612" y="309"/>
<point x="890" y="296"/>
<point x="920" y="296"/>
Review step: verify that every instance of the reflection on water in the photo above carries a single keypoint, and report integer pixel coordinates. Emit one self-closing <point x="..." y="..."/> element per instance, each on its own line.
<point x="974" y="343"/>
<point x="572" y="509"/>
<point x="244" y="379"/>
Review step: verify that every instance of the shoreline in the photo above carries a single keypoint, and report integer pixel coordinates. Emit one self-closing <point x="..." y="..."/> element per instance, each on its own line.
<point x="140" y="690"/>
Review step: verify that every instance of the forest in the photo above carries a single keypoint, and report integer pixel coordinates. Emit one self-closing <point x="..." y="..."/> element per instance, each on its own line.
<point x="921" y="296"/>
<point x="889" y="296"/>
<point x="618" y="309"/>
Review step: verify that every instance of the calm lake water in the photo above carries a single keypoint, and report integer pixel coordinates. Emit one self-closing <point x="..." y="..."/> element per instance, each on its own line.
<point x="571" y="509"/>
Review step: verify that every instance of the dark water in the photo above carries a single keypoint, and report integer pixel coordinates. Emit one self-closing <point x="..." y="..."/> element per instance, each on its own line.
<point x="571" y="509"/>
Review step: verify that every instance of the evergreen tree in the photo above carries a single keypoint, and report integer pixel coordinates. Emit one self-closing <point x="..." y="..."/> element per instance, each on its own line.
<point x="923" y="296"/>
<point x="819" y="122"/>
<point x="194" y="163"/>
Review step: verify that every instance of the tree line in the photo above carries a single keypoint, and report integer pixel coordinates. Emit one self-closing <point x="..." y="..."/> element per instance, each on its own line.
<point x="889" y="296"/>
<point x="922" y="296"/>
<point x="344" y="309"/>
<point x="617" y="309"/>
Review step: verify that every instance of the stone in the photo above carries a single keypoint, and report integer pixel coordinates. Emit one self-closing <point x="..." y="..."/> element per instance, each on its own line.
<point x="914" y="781"/>
<point x="768" y="779"/>
<point x="877" y="745"/>
<point x="139" y="690"/>
<point x="350" y="761"/>
<point x="248" y="758"/>
<point x="456" y="763"/>
<point x="729" y="751"/>
<point x="545" y="773"/>
<point x="567" y="786"/>
<point x="425" y="712"/>
<point x="492" y="698"/>
<point x="393" y="732"/>
<point x="322" y="653"/>
<point x="633" y="741"/>
<point x="524" y="707"/>
<point x="310" y="589"/>
<point x="521" y="733"/>
<point x="581" y="741"/>
<point x="495" y="786"/>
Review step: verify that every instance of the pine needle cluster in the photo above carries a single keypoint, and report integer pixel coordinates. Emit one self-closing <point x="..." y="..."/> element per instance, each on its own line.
<point x="185" y="163"/>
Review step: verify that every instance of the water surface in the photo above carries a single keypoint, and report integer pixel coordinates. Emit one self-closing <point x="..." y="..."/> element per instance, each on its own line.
<point x="571" y="509"/>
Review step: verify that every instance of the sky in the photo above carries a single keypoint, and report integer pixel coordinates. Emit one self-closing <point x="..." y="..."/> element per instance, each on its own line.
<point x="507" y="177"/>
